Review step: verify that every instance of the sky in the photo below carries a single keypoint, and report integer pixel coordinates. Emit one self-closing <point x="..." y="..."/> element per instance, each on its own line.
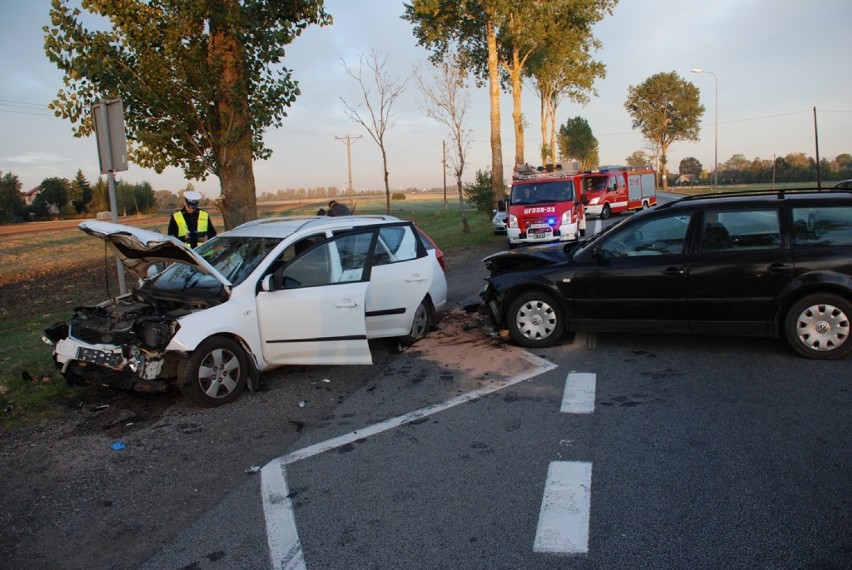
<point x="774" y="61"/>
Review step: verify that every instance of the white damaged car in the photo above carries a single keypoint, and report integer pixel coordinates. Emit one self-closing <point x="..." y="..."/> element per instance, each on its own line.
<point x="272" y="292"/>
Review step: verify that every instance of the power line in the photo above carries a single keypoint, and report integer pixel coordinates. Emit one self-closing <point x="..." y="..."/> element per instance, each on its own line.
<point x="24" y="108"/>
<point x="23" y="104"/>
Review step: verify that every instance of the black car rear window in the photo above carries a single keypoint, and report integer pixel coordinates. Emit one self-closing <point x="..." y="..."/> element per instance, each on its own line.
<point x="741" y="229"/>
<point x="822" y="226"/>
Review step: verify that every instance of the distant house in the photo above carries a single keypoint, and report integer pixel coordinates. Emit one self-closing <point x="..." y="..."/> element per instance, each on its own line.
<point x="29" y="197"/>
<point x="684" y="179"/>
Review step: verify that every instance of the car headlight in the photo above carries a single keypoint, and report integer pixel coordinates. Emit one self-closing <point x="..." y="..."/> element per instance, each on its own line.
<point x="594" y="201"/>
<point x="512" y="221"/>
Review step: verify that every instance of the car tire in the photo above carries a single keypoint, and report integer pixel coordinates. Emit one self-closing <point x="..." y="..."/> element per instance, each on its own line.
<point x="534" y="320"/>
<point x="420" y="325"/>
<point x="215" y="373"/>
<point x="817" y="326"/>
<point x="606" y="212"/>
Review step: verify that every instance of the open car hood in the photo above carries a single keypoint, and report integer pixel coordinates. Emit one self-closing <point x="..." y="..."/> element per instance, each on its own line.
<point x="139" y="249"/>
<point x="525" y="258"/>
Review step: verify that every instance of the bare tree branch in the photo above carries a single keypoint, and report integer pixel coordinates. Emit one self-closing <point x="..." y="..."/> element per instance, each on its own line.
<point x="378" y="105"/>
<point x="447" y="100"/>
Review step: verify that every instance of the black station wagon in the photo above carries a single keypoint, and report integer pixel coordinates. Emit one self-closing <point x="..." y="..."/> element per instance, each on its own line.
<point x="775" y="264"/>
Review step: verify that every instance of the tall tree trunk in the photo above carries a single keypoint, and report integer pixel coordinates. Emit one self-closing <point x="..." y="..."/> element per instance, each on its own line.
<point x="517" y="111"/>
<point x="497" y="190"/>
<point x="553" y="106"/>
<point x="387" y="183"/>
<point x="233" y="150"/>
<point x="544" y="118"/>
<point x="462" y="209"/>
<point x="459" y="172"/>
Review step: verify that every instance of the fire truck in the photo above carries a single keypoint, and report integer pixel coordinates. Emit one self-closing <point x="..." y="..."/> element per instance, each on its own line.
<point x="616" y="189"/>
<point x="544" y="205"/>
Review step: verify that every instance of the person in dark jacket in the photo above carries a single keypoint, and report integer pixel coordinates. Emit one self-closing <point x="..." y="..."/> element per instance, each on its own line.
<point x="190" y="224"/>
<point x="335" y="208"/>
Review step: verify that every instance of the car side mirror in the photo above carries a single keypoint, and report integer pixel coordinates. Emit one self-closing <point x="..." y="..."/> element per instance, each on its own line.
<point x="267" y="284"/>
<point x="584" y="200"/>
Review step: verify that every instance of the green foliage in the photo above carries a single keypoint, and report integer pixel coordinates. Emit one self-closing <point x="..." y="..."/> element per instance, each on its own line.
<point x="167" y="200"/>
<point x="11" y="200"/>
<point x="398" y="196"/>
<point x="52" y="198"/>
<point x="478" y="193"/>
<point x="100" y="197"/>
<point x="638" y="158"/>
<point x="576" y="142"/>
<point x="201" y="80"/>
<point x="80" y="193"/>
<point x="135" y="198"/>
<point x="692" y="166"/>
<point x="665" y="108"/>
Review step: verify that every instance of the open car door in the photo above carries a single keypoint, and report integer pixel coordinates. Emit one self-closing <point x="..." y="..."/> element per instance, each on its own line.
<point x="312" y="310"/>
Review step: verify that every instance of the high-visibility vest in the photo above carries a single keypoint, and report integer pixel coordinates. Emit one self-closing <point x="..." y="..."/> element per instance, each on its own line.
<point x="183" y="229"/>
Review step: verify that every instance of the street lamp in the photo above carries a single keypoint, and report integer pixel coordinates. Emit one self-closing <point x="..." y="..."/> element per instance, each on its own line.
<point x="715" y="129"/>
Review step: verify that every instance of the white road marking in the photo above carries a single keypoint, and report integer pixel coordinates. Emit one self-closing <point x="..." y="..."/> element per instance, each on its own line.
<point x="285" y="549"/>
<point x="563" y="522"/>
<point x="579" y="394"/>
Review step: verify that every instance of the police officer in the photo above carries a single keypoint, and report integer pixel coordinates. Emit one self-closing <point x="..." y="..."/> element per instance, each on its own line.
<point x="190" y="224"/>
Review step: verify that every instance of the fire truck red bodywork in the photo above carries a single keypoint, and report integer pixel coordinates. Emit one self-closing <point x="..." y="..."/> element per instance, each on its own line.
<point x="544" y="207"/>
<point x="614" y="190"/>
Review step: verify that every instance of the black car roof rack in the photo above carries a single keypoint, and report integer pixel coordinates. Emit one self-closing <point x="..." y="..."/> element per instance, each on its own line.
<point x="779" y="193"/>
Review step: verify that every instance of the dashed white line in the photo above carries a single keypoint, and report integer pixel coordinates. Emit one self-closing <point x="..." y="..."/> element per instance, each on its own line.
<point x="579" y="394"/>
<point x="285" y="549"/>
<point x="563" y="522"/>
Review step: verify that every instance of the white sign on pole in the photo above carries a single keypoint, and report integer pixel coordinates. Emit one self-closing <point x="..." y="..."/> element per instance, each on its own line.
<point x="112" y="153"/>
<point x="109" y="129"/>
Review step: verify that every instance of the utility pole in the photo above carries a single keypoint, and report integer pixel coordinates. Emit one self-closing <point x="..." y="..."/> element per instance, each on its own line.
<point x="349" y="140"/>
<point x="444" y="162"/>
<point x="816" y="142"/>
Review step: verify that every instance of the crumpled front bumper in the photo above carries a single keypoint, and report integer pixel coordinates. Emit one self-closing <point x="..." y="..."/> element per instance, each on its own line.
<point x="125" y="366"/>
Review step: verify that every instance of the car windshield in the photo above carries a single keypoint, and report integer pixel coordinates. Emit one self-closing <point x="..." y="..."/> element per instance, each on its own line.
<point x="542" y="192"/>
<point x="234" y="257"/>
<point x="595" y="240"/>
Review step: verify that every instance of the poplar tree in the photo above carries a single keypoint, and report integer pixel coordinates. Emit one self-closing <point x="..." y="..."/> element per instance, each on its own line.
<point x="200" y="80"/>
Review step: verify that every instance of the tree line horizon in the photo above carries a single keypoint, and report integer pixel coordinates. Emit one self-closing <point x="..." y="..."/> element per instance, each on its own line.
<point x="76" y="196"/>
